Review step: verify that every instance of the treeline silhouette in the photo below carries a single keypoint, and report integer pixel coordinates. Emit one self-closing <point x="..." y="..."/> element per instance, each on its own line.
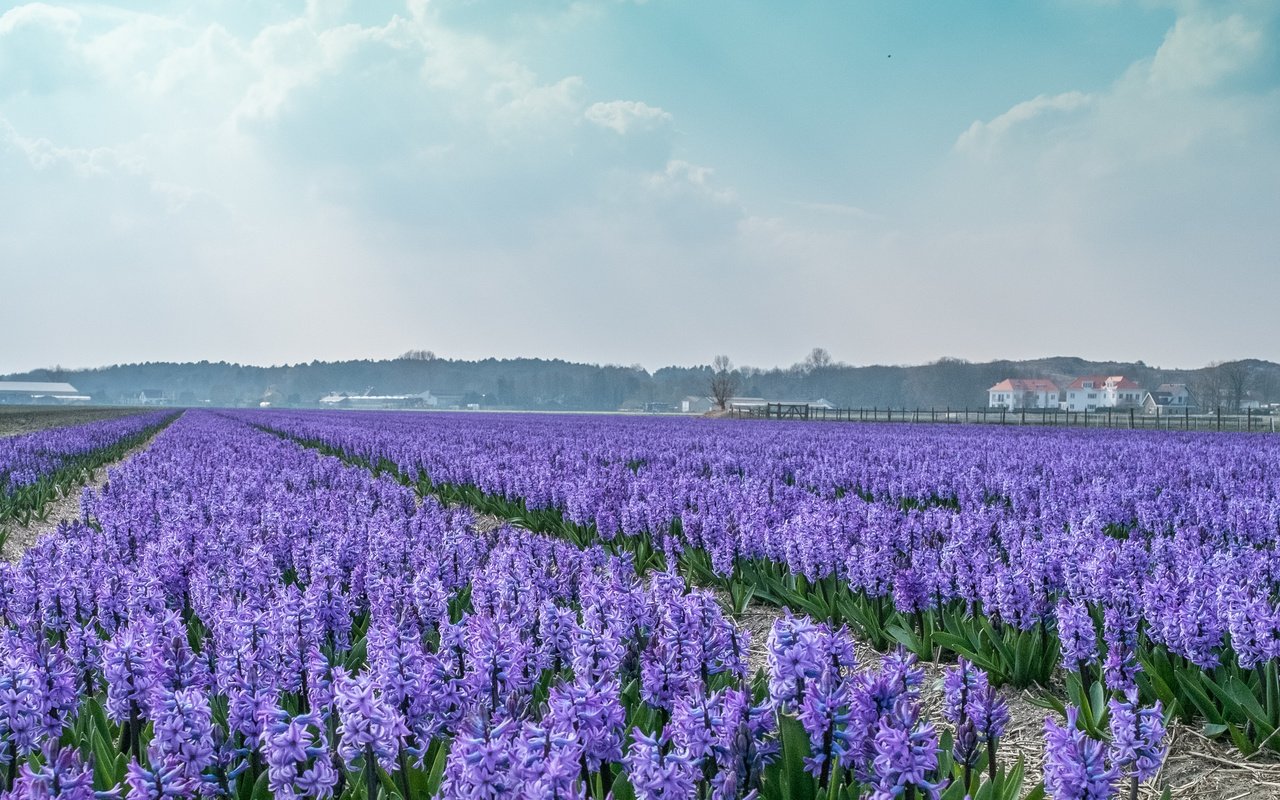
<point x="554" y="384"/>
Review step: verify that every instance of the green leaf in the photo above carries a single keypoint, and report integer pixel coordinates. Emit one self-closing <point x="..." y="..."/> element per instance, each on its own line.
<point x="955" y="790"/>
<point x="1242" y="742"/>
<point x="436" y="774"/>
<point x="261" y="790"/>
<point x="357" y="655"/>
<point x="795" y="748"/>
<point x="622" y="788"/>
<point x="1213" y="730"/>
<point x="1011" y="786"/>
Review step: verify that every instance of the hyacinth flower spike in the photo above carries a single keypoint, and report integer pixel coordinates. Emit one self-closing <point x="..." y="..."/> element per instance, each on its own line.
<point x="1076" y="765"/>
<point x="1137" y="740"/>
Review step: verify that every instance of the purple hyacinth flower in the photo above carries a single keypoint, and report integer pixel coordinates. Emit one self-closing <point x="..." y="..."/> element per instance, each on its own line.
<point x="1077" y="634"/>
<point x="184" y="732"/>
<point x="1075" y="765"/>
<point x="658" y="771"/>
<point x="906" y="753"/>
<point x="366" y="722"/>
<point x="1137" y="737"/>
<point x="299" y="762"/>
<point x="62" y="776"/>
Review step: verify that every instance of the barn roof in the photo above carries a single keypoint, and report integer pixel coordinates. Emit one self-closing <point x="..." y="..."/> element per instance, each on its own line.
<point x="36" y="387"/>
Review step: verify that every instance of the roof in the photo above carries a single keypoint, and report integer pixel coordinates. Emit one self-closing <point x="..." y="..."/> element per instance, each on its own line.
<point x="31" y="387"/>
<point x="1106" y="382"/>
<point x="1173" y="388"/>
<point x="1024" y="385"/>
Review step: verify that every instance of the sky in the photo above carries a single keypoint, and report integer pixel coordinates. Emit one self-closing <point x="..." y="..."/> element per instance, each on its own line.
<point x="639" y="182"/>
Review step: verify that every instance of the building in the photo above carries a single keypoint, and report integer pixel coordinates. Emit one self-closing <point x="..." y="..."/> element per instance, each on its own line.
<point x="151" y="397"/>
<point x="39" y="393"/>
<point x="385" y="401"/>
<point x="1169" y="398"/>
<point x="1019" y="393"/>
<point x="1092" y="392"/>
<point x="752" y="404"/>
<point x="693" y="404"/>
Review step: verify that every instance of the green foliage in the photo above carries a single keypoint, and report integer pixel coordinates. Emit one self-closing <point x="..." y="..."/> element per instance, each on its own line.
<point x="1241" y="704"/>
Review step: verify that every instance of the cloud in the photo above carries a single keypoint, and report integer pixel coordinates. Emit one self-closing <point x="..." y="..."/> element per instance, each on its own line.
<point x="1201" y="51"/>
<point x="982" y="137"/>
<point x="331" y="155"/>
<point x="1152" y="187"/>
<point x="624" y="116"/>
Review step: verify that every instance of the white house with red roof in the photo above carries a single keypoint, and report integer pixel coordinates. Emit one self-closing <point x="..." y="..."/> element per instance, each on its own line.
<point x="1019" y="393"/>
<point x="1101" y="391"/>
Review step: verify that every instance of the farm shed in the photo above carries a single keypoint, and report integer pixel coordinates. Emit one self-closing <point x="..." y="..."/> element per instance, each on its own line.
<point x="38" y="392"/>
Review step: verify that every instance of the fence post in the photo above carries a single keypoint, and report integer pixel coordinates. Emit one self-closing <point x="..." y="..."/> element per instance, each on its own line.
<point x="1219" y="419"/>
<point x="1131" y="418"/>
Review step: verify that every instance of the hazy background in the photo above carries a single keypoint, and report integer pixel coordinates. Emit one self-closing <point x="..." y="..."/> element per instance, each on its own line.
<point x="646" y="183"/>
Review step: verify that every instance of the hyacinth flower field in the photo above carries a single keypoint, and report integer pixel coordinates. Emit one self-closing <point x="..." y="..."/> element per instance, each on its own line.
<point x="36" y="467"/>
<point x="379" y="605"/>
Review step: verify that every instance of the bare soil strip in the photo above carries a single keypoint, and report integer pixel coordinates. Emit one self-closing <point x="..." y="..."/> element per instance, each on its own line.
<point x="65" y="509"/>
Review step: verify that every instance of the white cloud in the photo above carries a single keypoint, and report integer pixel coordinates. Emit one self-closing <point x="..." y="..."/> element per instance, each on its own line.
<point x="38" y="15"/>
<point x="41" y="154"/>
<point x="1201" y="51"/>
<point x="624" y="116"/>
<point x="309" y="156"/>
<point x="982" y="137"/>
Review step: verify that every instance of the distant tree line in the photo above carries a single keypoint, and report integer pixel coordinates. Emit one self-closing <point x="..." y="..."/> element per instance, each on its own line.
<point x="554" y="384"/>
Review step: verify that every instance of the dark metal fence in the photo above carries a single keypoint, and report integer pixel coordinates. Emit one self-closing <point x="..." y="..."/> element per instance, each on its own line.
<point x="1250" y="421"/>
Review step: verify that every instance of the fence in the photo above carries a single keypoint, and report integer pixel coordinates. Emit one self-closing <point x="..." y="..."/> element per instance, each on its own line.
<point x="1102" y="418"/>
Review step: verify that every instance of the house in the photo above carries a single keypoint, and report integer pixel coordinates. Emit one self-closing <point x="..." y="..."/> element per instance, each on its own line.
<point x="693" y="404"/>
<point x="39" y="392"/>
<point x="1018" y="393"/>
<point x="1169" y="398"/>
<point x="150" y="397"/>
<point x="1092" y="392"/>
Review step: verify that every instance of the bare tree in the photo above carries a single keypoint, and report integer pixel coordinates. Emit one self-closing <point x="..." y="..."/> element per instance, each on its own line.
<point x="417" y="355"/>
<point x="1210" y="387"/>
<point x="1266" y="384"/>
<point x="817" y="359"/>
<point x="1237" y="380"/>
<point x="724" y="381"/>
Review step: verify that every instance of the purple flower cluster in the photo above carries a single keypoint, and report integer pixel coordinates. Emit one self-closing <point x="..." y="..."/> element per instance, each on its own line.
<point x="1079" y="767"/>
<point x="29" y="457"/>
<point x="1027" y="526"/>
<point x="242" y="608"/>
